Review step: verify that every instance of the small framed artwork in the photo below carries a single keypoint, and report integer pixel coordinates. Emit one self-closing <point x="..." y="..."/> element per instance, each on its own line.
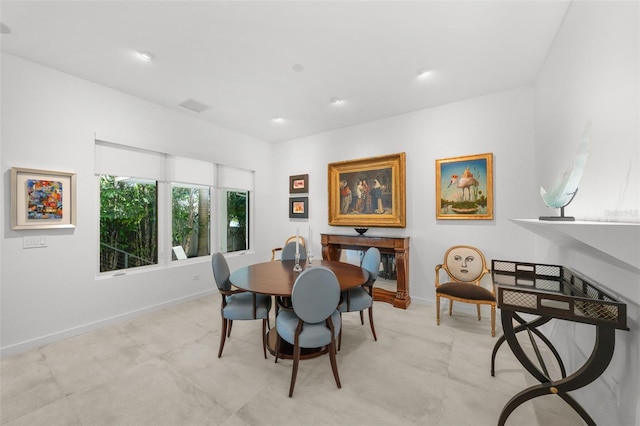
<point x="42" y="199"/>
<point x="299" y="207"/>
<point x="464" y="187"/>
<point x="298" y="184"/>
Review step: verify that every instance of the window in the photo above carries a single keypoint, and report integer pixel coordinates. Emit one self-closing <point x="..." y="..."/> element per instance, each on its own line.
<point x="237" y="220"/>
<point x="190" y="216"/>
<point x="128" y="223"/>
<point x="162" y="210"/>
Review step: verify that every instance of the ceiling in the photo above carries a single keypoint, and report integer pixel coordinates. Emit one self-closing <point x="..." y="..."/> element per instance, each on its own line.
<point x="251" y="61"/>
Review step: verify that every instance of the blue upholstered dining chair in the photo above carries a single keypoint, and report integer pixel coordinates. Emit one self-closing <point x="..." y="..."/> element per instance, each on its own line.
<point x="238" y="304"/>
<point x="290" y="239"/>
<point x="360" y="298"/>
<point x="289" y="251"/>
<point x="313" y="321"/>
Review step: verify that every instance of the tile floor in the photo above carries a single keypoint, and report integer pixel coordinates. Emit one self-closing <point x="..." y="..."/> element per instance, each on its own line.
<point x="162" y="369"/>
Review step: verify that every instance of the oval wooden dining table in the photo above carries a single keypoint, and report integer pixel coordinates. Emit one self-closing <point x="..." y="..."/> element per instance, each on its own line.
<point x="277" y="279"/>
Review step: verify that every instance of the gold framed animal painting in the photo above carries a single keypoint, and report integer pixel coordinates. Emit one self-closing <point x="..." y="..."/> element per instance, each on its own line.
<point x="464" y="187"/>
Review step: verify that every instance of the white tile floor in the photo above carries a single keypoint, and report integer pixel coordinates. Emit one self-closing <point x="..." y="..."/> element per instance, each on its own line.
<point x="162" y="369"/>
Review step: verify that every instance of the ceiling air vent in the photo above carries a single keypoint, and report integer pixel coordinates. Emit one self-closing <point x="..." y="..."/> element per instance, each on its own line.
<point x="194" y="106"/>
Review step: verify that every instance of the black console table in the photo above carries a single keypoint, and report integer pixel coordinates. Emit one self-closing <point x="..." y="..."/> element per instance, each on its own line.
<point x="553" y="292"/>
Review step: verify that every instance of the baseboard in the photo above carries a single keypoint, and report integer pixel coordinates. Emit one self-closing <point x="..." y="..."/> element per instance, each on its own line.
<point x="85" y="328"/>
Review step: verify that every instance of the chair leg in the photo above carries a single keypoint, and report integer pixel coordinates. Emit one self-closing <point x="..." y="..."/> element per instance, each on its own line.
<point x="437" y="310"/>
<point x="278" y="340"/>
<point x="373" y="328"/>
<point x="450" y="306"/>
<point x="334" y="364"/>
<point x="361" y="318"/>
<point x="223" y="335"/>
<point x="264" y="337"/>
<point x="478" y="306"/>
<point x="294" y="372"/>
<point x="230" y="325"/>
<point x="493" y="320"/>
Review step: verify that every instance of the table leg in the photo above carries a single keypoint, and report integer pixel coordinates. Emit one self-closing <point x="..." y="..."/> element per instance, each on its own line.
<point x="591" y="370"/>
<point x="533" y="327"/>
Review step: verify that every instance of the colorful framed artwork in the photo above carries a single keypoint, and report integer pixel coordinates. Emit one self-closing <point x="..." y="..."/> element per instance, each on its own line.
<point x="298" y="184"/>
<point x="464" y="187"/>
<point x="368" y="192"/>
<point x="42" y="199"/>
<point x="299" y="207"/>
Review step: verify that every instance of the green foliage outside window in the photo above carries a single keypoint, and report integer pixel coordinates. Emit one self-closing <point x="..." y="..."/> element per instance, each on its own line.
<point x="237" y="225"/>
<point x="190" y="219"/>
<point x="128" y="223"/>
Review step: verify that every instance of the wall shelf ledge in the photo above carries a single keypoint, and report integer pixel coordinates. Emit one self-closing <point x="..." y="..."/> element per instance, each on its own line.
<point x="615" y="242"/>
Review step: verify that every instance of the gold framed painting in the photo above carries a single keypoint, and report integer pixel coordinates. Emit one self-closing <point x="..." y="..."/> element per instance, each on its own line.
<point x="464" y="187"/>
<point x="42" y="199"/>
<point x="368" y="192"/>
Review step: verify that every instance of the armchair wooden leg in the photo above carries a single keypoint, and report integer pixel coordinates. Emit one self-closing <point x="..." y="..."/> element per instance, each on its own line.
<point x="278" y="340"/>
<point x="450" y="306"/>
<point x="478" y="306"/>
<point x="264" y="338"/>
<point x="340" y="335"/>
<point x="334" y="364"/>
<point x="437" y="310"/>
<point x="361" y="318"/>
<point x="296" y="361"/>
<point x="229" y="328"/>
<point x="493" y="320"/>
<point x="373" y="328"/>
<point x="223" y="335"/>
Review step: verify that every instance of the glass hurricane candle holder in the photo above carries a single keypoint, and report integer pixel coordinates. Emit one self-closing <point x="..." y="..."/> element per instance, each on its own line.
<point x="296" y="266"/>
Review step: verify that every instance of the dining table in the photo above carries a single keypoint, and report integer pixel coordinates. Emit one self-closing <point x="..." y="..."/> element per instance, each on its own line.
<point x="276" y="278"/>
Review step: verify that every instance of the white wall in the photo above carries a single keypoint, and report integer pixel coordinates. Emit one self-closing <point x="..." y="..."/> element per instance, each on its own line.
<point x="592" y="72"/>
<point x="49" y="121"/>
<point x="500" y="123"/>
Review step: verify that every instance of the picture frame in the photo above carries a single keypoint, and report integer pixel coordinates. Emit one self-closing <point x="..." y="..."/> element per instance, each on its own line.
<point x="299" y="207"/>
<point x="42" y="199"/>
<point x="368" y="192"/>
<point x="464" y="187"/>
<point x="298" y="184"/>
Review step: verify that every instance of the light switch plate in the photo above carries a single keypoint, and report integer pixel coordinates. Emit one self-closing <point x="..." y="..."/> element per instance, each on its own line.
<point x="34" y="242"/>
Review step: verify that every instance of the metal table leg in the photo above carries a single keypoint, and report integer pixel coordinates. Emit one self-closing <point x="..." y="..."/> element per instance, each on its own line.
<point x="533" y="327"/>
<point x="591" y="370"/>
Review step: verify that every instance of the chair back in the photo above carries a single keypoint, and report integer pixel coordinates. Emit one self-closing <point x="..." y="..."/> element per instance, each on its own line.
<point x="221" y="272"/>
<point x="371" y="263"/>
<point x="465" y="264"/>
<point x="279" y="249"/>
<point x="315" y="294"/>
<point x="289" y="251"/>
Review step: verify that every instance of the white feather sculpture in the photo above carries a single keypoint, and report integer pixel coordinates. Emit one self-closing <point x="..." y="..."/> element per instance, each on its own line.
<point x="566" y="185"/>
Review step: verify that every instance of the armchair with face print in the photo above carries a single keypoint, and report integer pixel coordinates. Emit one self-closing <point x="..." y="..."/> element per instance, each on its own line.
<point x="465" y="267"/>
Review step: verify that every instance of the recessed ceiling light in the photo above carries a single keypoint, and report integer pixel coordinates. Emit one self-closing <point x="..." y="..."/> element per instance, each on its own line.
<point x="145" y="56"/>
<point x="337" y="101"/>
<point x="277" y="119"/>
